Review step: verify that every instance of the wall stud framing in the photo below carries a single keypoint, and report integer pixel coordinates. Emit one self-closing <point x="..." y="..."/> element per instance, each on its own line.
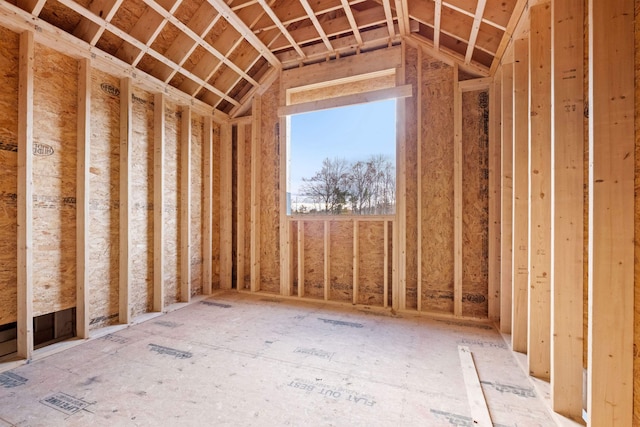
<point x="126" y="143"/>
<point x="539" y="323"/>
<point x="226" y="203"/>
<point x="520" y="262"/>
<point x="356" y="259"/>
<point x="457" y="194"/>
<point x="240" y="201"/>
<point x="25" y="196"/>
<point x="327" y="259"/>
<point x="567" y="140"/>
<point x="611" y="213"/>
<point x="185" y="205"/>
<point x="419" y="180"/>
<point x="300" y="225"/>
<point x="207" y="212"/>
<point x="158" y="201"/>
<point x="495" y="174"/>
<point x="83" y="196"/>
<point x="255" y="192"/>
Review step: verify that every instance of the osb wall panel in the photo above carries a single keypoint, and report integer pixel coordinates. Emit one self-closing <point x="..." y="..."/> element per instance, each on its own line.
<point x="475" y="203"/>
<point x="411" y="199"/>
<point x="437" y="186"/>
<point x="197" y="124"/>
<point x="141" y="229"/>
<point x="104" y="198"/>
<point x="172" y="204"/>
<point x="314" y="259"/>
<point x="54" y="181"/>
<point x="215" y="229"/>
<point x="371" y="263"/>
<point x="269" y="192"/>
<point x="341" y="261"/>
<point x="9" y="48"/>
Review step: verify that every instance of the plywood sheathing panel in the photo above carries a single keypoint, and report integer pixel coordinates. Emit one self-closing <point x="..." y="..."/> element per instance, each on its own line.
<point x="341" y="261"/>
<point x="437" y="186"/>
<point x="141" y="231"/>
<point x="314" y="259"/>
<point x="371" y="263"/>
<point x="411" y="200"/>
<point x="475" y="203"/>
<point x="197" y="189"/>
<point x="103" y="206"/>
<point x="215" y="229"/>
<point x="54" y="181"/>
<point x="172" y="204"/>
<point x="9" y="47"/>
<point x="269" y="192"/>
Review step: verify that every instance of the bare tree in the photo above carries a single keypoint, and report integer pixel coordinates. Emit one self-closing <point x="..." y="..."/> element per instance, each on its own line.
<point x="329" y="186"/>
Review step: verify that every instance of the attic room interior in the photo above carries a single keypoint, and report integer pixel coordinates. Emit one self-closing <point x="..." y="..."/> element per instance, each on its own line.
<point x="153" y="272"/>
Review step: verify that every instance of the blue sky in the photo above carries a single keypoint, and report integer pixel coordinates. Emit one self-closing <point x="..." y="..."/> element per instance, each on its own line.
<point x="353" y="133"/>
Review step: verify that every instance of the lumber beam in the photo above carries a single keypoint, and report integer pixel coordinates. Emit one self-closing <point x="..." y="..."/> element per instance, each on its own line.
<point x="495" y="173"/>
<point x="25" y="196"/>
<point x="539" y="323"/>
<point x="88" y="30"/>
<point x="158" y="201"/>
<point x="475" y="28"/>
<point x="300" y="244"/>
<point x="126" y="144"/>
<point x="256" y="123"/>
<point x="386" y="4"/>
<point x="506" y="205"/>
<point x="567" y="140"/>
<point x="327" y="259"/>
<point x="399" y="285"/>
<point x="240" y="202"/>
<point x="286" y="252"/>
<point x="226" y="201"/>
<point x="419" y="181"/>
<point x="185" y="205"/>
<point x="356" y="259"/>
<point x="83" y="196"/>
<point x="611" y="213"/>
<point x="207" y="210"/>
<point x="352" y="21"/>
<point x="508" y="34"/>
<point x="457" y="195"/>
<point x="437" y="23"/>
<point x="520" y="263"/>
<point x="34" y="7"/>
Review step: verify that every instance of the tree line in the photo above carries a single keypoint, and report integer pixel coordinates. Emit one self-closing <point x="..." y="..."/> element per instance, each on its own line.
<point x="364" y="187"/>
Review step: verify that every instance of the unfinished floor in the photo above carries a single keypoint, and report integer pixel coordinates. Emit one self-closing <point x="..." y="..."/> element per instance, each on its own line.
<point x="247" y="360"/>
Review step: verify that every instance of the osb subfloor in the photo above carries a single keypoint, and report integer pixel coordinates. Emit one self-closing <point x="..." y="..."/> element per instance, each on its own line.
<point x="247" y="360"/>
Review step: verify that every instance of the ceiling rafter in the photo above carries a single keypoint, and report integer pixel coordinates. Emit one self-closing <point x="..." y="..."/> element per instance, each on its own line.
<point x="129" y="39"/>
<point x="316" y="24"/>
<point x="352" y="21"/>
<point x="475" y="28"/>
<point x="88" y="30"/>
<point x="437" y="19"/>
<point x="244" y="31"/>
<point x="199" y="40"/>
<point x="272" y="15"/>
<point x="386" y="4"/>
<point x="34" y="7"/>
<point x="472" y="15"/>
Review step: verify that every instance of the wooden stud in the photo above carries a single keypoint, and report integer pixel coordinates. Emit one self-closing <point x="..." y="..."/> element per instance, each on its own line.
<point x="506" y="205"/>
<point x="126" y="143"/>
<point x="508" y="34"/>
<point x="255" y="192"/>
<point x="327" y="259"/>
<point x="207" y="212"/>
<point x="158" y="201"/>
<point x="240" y="202"/>
<point x="520" y="263"/>
<point x="286" y="253"/>
<point x="385" y="285"/>
<point x="83" y="196"/>
<point x="226" y="200"/>
<point x="611" y="213"/>
<point x="398" y="293"/>
<point x="567" y="208"/>
<point x="419" y="180"/>
<point x="300" y="224"/>
<point x="457" y="195"/>
<point x="495" y="173"/>
<point x="185" y="205"/>
<point x="539" y="323"/>
<point x="356" y="259"/>
<point x="479" y="410"/>
<point x="25" y="196"/>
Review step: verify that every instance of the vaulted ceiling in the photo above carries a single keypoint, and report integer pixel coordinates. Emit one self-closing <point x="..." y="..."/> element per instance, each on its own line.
<point x="222" y="52"/>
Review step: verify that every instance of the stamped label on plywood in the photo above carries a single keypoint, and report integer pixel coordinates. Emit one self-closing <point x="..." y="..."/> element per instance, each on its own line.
<point x="314" y="352"/>
<point x="167" y="324"/>
<point x="115" y="338"/>
<point x="64" y="403"/>
<point x="10" y="380"/>
<point x="341" y="323"/>
<point x="326" y="391"/>
<point x="7" y="146"/>
<point x="505" y="388"/>
<point x="216" y="304"/>
<point x="178" y="354"/>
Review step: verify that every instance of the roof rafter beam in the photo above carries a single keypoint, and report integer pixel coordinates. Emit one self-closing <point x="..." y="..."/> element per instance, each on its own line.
<point x="386" y="4"/>
<point x="272" y="15"/>
<point x="436" y="24"/>
<point x="244" y="31"/>
<point x="88" y="30"/>
<point x="34" y="7"/>
<point x="316" y="24"/>
<point x="475" y="28"/>
<point x="199" y="40"/>
<point x="472" y="15"/>
<point x="454" y="36"/>
<point x="138" y="44"/>
<point x="352" y="21"/>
